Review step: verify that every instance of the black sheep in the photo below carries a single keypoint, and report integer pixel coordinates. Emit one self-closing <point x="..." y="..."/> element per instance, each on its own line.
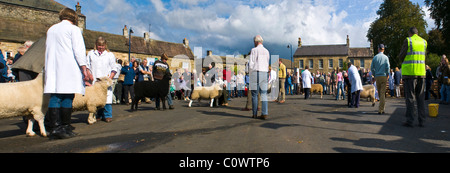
<point x="152" y="89"/>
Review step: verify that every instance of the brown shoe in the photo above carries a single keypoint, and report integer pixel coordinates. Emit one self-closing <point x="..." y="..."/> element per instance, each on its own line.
<point x="108" y="120"/>
<point x="264" y="117"/>
<point x="282" y="101"/>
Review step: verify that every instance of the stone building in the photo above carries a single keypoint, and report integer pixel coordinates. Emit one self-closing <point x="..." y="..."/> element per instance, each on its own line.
<point x="23" y="20"/>
<point x="325" y="58"/>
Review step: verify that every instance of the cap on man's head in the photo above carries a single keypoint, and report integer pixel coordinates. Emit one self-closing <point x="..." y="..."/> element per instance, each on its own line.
<point x="164" y="57"/>
<point x="381" y="46"/>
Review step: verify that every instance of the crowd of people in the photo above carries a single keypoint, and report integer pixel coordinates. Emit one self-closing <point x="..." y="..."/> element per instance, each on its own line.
<point x="78" y="70"/>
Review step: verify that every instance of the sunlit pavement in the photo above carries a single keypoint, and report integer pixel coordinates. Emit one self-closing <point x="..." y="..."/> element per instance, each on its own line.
<point x="297" y="126"/>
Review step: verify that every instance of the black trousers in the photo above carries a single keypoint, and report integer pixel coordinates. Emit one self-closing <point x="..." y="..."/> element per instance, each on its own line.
<point x="414" y="93"/>
<point x="355" y="98"/>
<point x="128" y="89"/>
<point x="307" y="92"/>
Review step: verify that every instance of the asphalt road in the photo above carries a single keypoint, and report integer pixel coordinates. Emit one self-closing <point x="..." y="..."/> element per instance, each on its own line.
<point x="297" y="126"/>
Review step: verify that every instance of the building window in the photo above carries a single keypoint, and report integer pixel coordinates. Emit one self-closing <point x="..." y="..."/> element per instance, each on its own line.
<point x="330" y="63"/>
<point x="320" y="63"/>
<point x="311" y="64"/>
<point x="300" y="64"/>
<point x="362" y="63"/>
<point x="341" y="63"/>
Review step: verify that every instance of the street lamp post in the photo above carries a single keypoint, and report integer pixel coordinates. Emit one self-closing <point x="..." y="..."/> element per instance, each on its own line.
<point x="292" y="61"/>
<point x="129" y="44"/>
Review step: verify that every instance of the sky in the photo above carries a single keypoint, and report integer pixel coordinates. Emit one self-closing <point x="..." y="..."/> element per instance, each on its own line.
<point x="227" y="27"/>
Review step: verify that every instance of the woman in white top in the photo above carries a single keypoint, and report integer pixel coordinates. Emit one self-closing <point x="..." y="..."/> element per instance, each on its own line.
<point x="103" y="64"/>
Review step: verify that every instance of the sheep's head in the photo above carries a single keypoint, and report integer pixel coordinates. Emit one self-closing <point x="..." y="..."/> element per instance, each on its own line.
<point x="218" y="86"/>
<point x="105" y="81"/>
<point x="167" y="77"/>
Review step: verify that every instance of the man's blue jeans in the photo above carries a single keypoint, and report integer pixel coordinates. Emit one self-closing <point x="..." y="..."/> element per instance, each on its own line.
<point x="258" y="83"/>
<point x="105" y="112"/>
<point x="445" y="93"/>
<point x="168" y="99"/>
<point x="61" y="100"/>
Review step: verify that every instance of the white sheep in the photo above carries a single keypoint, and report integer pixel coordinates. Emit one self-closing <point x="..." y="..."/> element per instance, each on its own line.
<point x="94" y="98"/>
<point x="25" y="99"/>
<point x="369" y="92"/>
<point x="211" y="92"/>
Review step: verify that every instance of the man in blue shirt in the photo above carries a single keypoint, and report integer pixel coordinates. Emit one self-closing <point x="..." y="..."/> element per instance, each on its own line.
<point x="380" y="69"/>
<point x="3" y="69"/>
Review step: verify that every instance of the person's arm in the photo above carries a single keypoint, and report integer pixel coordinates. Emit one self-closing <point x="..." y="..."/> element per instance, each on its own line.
<point x="79" y="50"/>
<point x="387" y="67"/>
<point x="403" y="51"/>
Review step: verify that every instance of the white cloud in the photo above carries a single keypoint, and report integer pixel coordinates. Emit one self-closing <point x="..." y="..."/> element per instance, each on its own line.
<point x="229" y="26"/>
<point x="192" y="2"/>
<point x="279" y="23"/>
<point x="159" y="6"/>
<point x="431" y="22"/>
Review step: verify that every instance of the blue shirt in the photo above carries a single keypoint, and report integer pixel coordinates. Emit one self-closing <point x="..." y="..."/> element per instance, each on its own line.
<point x="4" y="70"/>
<point x="129" y="75"/>
<point x="380" y="65"/>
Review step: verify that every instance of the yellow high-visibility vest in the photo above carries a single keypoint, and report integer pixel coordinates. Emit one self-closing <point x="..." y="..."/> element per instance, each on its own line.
<point x="414" y="63"/>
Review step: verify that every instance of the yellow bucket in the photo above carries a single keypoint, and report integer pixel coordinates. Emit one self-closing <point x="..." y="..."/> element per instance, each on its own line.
<point x="433" y="110"/>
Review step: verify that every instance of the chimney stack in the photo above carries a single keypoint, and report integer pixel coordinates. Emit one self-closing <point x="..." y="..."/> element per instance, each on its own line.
<point x="299" y="42"/>
<point x="348" y="41"/>
<point x="186" y="42"/>
<point x="78" y="8"/>
<point x="146" y="36"/>
<point x="371" y="47"/>
<point x="125" y="31"/>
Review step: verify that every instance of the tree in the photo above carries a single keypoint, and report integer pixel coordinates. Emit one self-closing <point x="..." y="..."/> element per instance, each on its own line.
<point x="440" y="12"/>
<point x="436" y="42"/>
<point x="395" y="17"/>
<point x="433" y="61"/>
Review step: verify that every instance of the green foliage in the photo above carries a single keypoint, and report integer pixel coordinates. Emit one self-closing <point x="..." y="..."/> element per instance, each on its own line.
<point x="392" y="25"/>
<point x="433" y="61"/>
<point x="440" y="12"/>
<point x="436" y="42"/>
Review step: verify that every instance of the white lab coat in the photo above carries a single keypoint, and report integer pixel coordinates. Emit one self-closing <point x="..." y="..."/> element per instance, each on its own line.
<point x="65" y="53"/>
<point x="306" y="78"/>
<point x="102" y="66"/>
<point x="355" y="79"/>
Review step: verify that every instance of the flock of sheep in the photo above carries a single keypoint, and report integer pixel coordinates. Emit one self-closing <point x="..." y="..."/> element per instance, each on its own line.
<point x="27" y="98"/>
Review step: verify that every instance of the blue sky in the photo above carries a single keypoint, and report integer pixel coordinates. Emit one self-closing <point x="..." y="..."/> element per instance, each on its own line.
<point x="227" y="26"/>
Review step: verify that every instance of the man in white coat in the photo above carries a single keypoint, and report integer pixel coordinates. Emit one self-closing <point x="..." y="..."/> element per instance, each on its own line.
<point x="103" y="64"/>
<point x="355" y="80"/>
<point x="66" y="72"/>
<point x="306" y="80"/>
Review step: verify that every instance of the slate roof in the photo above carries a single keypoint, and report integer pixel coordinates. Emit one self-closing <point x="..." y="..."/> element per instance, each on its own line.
<point x="119" y="43"/>
<point x="333" y="50"/>
<point x="19" y="31"/>
<point x="360" y="53"/>
<point x="49" y="5"/>
<point x="322" y="50"/>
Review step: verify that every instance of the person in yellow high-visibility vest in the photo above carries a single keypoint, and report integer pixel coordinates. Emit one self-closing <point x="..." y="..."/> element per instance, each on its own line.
<point x="414" y="73"/>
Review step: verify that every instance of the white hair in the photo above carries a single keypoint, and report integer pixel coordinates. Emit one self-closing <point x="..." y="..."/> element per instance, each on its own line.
<point x="258" y="39"/>
<point x="28" y="43"/>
